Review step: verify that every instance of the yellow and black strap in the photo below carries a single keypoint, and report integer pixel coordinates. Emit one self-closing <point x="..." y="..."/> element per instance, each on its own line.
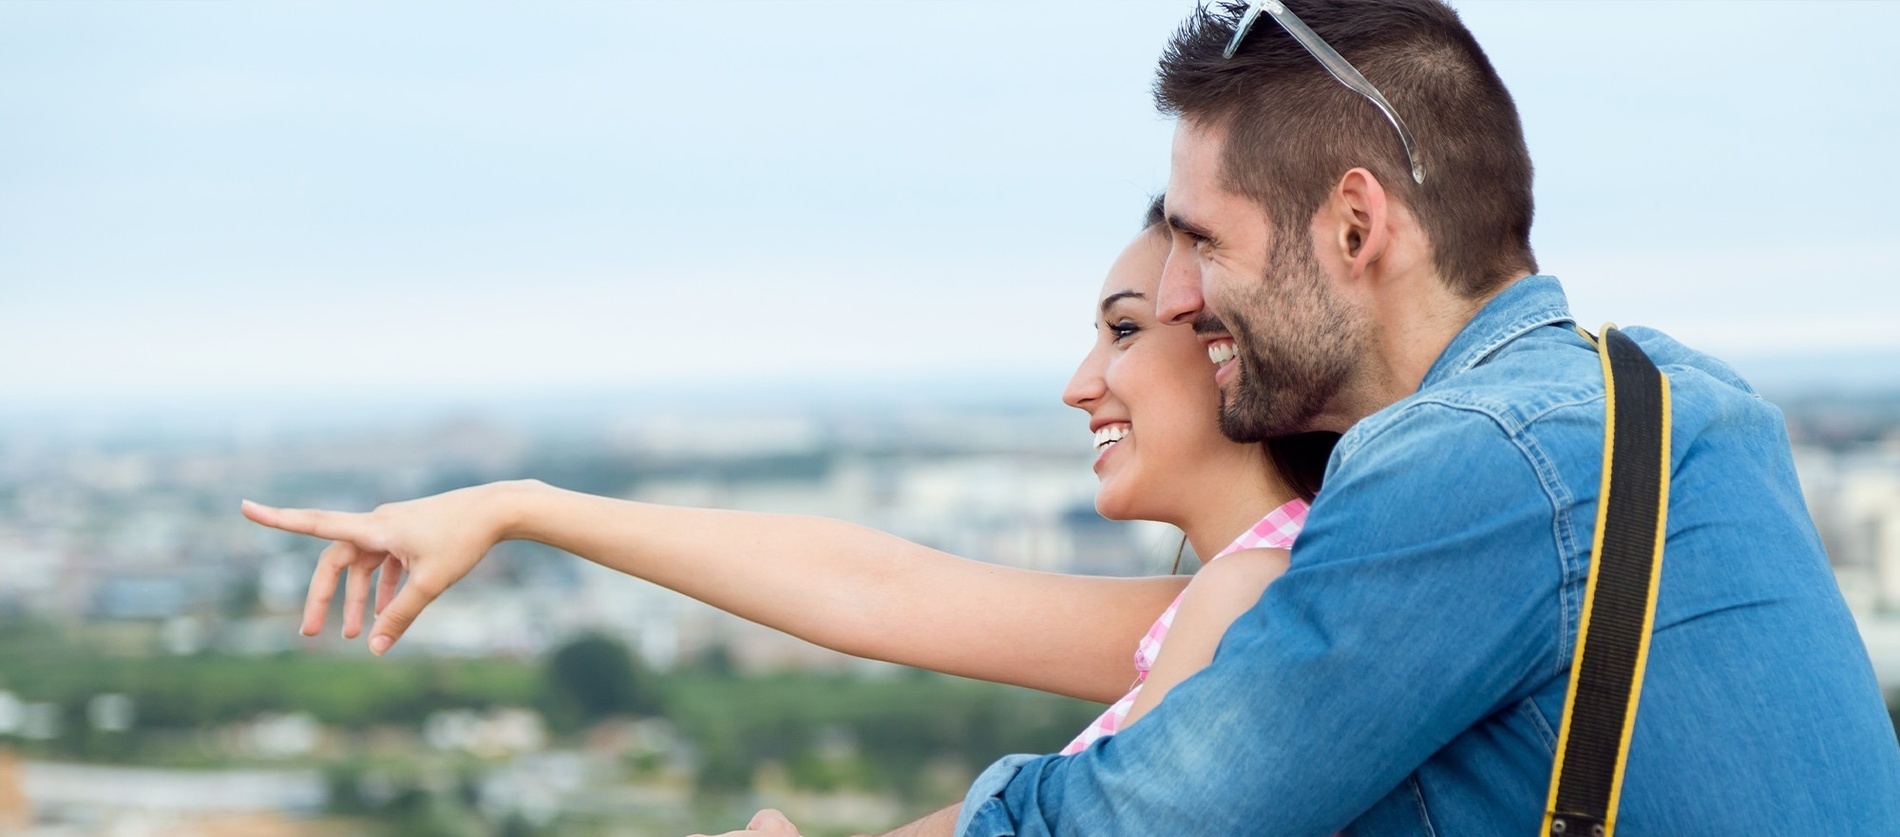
<point x="1619" y="602"/>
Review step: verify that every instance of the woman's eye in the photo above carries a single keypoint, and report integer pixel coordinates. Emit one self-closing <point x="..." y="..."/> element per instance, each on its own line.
<point x="1123" y="330"/>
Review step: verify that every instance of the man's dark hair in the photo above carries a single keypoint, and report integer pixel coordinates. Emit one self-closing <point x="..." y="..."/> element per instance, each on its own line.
<point x="1292" y="130"/>
<point x="1300" y="460"/>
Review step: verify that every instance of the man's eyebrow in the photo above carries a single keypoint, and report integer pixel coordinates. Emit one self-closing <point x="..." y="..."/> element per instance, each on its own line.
<point x="1189" y="227"/>
<point x="1110" y="300"/>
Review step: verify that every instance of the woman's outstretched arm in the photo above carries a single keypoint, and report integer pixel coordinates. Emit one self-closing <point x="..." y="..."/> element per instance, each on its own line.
<point x="829" y="582"/>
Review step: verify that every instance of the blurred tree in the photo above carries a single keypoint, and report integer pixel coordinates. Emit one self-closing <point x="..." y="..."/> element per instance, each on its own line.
<point x="717" y="661"/>
<point x="594" y="677"/>
<point x="345" y="781"/>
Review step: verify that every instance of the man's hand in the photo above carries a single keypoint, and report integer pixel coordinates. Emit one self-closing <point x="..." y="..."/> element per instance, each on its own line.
<point x="435" y="540"/>
<point x="767" y="823"/>
<point x="941" y="823"/>
<point x="771" y="823"/>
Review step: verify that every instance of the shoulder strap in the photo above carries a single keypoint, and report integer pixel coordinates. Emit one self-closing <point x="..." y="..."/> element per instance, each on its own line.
<point x="1619" y="607"/>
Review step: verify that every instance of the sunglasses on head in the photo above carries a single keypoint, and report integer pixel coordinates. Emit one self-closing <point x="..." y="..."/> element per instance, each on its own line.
<point x="1334" y="63"/>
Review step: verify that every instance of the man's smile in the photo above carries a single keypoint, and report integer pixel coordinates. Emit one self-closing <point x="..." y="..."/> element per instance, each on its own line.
<point x="1222" y="353"/>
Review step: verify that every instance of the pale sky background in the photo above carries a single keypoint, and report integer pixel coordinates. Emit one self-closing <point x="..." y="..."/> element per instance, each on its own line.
<point x="351" y="202"/>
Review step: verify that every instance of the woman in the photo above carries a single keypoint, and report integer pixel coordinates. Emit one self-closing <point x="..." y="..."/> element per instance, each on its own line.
<point x="1149" y="391"/>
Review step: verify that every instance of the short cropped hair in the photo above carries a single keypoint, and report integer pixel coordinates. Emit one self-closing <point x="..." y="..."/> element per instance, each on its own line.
<point x="1293" y="131"/>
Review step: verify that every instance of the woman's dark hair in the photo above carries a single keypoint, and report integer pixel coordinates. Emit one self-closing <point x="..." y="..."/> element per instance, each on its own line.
<point x="1299" y="460"/>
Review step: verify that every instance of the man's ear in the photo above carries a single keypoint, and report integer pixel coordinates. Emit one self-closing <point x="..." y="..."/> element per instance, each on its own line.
<point x="1360" y="219"/>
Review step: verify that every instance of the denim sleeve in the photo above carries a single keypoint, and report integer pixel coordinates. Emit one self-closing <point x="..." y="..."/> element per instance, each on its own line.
<point x="1420" y="599"/>
<point x="982" y="814"/>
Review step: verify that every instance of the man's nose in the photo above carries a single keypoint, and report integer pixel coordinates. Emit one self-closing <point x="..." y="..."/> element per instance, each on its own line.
<point x="1178" y="299"/>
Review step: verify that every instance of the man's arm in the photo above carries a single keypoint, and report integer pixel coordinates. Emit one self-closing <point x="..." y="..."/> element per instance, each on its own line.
<point x="1419" y="600"/>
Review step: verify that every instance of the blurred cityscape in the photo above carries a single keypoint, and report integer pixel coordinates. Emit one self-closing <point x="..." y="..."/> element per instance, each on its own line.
<point x="152" y="680"/>
<point x="151" y="642"/>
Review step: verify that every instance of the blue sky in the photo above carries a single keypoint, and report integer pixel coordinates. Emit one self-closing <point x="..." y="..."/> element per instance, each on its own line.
<point x="360" y="201"/>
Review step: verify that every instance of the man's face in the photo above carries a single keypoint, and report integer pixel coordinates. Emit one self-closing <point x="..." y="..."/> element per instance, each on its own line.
<point x="1283" y="342"/>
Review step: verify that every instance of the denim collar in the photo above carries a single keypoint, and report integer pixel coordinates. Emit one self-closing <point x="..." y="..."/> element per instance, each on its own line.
<point x="1528" y="303"/>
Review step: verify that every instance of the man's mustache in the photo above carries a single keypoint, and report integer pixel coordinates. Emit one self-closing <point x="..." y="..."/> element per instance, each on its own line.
<point x="1209" y="324"/>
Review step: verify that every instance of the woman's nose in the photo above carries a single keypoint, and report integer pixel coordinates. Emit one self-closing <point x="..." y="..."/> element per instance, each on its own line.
<point x="1086" y="385"/>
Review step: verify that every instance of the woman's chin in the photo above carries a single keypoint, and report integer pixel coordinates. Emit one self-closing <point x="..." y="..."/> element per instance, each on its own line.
<point x="1112" y="506"/>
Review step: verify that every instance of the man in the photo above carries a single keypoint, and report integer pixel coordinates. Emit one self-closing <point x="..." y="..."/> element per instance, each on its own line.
<point x="1370" y="256"/>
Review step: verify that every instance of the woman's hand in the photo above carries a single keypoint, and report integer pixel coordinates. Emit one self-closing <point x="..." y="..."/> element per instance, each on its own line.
<point x="434" y="540"/>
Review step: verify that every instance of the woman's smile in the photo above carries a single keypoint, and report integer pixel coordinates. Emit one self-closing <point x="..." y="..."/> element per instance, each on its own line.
<point x="1107" y="437"/>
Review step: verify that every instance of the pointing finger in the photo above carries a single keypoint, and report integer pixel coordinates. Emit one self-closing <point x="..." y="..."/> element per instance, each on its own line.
<point x="329" y="525"/>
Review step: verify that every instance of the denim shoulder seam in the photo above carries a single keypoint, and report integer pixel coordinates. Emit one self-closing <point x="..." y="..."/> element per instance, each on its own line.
<point x="1571" y="565"/>
<point x="1564" y="540"/>
<point x="1510" y="420"/>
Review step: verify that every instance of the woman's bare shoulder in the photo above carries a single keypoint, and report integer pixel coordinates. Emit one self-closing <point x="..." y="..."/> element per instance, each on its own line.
<point x="1236" y="575"/>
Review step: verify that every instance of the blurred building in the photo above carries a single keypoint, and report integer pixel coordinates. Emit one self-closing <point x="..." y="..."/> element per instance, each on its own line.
<point x="143" y="535"/>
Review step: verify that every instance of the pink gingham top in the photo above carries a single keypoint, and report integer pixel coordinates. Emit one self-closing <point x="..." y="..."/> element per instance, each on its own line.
<point x="1275" y="531"/>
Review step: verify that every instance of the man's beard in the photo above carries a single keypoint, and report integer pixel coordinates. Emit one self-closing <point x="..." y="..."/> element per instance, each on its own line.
<point x="1291" y="369"/>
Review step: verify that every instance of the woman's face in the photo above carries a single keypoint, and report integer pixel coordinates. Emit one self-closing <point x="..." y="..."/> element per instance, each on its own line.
<point x="1149" y="391"/>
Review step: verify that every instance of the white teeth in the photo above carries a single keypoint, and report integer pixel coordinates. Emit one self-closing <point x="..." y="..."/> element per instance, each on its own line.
<point x="1220" y="352"/>
<point x="1110" y="434"/>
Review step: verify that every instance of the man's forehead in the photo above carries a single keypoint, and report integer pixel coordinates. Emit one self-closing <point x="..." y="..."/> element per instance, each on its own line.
<point x="1194" y="170"/>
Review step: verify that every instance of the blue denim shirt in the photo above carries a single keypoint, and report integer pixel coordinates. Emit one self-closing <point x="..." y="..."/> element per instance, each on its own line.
<point x="1407" y="675"/>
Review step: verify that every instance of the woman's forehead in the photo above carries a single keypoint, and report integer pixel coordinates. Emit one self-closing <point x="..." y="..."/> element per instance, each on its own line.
<point x="1138" y="269"/>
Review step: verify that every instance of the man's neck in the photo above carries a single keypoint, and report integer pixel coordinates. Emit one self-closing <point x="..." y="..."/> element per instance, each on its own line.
<point x="1410" y="330"/>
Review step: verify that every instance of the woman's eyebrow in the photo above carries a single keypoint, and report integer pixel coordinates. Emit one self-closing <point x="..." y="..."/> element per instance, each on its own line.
<point x="1110" y="300"/>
